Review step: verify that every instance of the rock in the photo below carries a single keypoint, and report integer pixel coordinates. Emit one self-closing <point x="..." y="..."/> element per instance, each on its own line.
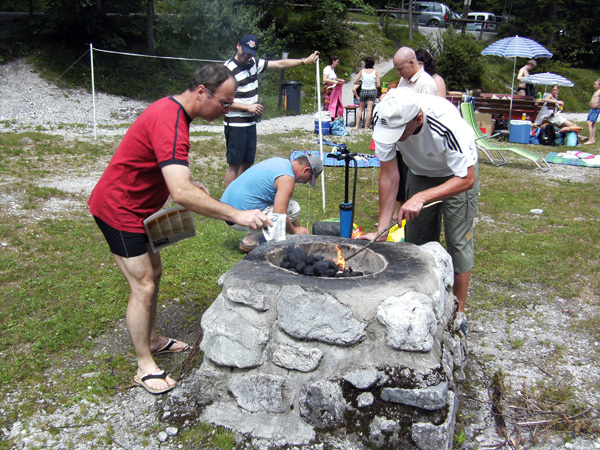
<point x="314" y="315"/>
<point x="409" y="321"/>
<point x="365" y="399"/>
<point x="381" y="430"/>
<point x="206" y="387"/>
<point x="303" y="359"/>
<point x="363" y="378"/>
<point x="163" y="436"/>
<point x="430" y="398"/>
<point x="230" y="339"/>
<point x="322" y="404"/>
<point x="248" y="296"/>
<point x="260" y="393"/>
<point x="172" y="431"/>
<point x="428" y="436"/>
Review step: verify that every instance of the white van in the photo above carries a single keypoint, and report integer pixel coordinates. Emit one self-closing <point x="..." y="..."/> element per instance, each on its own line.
<point x="489" y="18"/>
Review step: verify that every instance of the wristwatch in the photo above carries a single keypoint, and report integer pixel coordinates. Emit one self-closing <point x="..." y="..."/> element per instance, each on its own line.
<point x="303" y="61"/>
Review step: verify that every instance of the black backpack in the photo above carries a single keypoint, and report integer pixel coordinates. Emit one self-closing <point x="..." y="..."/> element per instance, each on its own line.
<point x="547" y="135"/>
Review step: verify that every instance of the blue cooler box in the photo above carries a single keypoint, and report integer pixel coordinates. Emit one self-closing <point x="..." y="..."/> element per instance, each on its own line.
<point x="325" y="127"/>
<point x="520" y="130"/>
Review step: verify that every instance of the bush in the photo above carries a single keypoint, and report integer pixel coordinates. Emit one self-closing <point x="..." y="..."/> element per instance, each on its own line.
<point x="458" y="59"/>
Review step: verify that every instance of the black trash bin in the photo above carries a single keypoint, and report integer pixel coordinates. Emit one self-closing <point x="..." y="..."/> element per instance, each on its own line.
<point x="291" y="92"/>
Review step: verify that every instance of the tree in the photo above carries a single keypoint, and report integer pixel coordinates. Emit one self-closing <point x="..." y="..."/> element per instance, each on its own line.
<point x="150" y="42"/>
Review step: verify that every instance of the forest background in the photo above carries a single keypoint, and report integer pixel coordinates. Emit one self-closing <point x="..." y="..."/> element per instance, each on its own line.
<point x="55" y="35"/>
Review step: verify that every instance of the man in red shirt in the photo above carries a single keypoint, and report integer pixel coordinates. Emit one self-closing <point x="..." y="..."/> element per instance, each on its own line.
<point x="150" y="164"/>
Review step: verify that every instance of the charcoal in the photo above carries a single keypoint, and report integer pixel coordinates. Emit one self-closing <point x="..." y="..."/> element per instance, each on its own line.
<point x="285" y="264"/>
<point x="310" y="260"/>
<point x="300" y="267"/>
<point x="321" y="267"/>
<point x="309" y="271"/>
<point x="319" y="258"/>
<point x="299" y="255"/>
<point x="331" y="272"/>
<point x="355" y="274"/>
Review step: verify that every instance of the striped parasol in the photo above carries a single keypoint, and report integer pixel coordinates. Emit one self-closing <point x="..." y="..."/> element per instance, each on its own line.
<point x="513" y="47"/>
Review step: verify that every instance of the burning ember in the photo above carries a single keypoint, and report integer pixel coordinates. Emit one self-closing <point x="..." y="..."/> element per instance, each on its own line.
<point x="340" y="261"/>
<point x="298" y="260"/>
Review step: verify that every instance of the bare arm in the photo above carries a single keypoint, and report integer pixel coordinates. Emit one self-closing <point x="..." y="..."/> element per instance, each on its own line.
<point x="255" y="108"/>
<point x="389" y="179"/>
<point x="285" y="188"/>
<point x="185" y="193"/>
<point x="357" y="78"/>
<point x="441" y="86"/>
<point x="453" y="186"/>
<point x="378" y="80"/>
<point x="289" y="63"/>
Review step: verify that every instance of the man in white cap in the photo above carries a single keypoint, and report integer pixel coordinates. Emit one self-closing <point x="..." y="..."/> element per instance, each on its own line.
<point x="240" y="121"/>
<point x="439" y="148"/>
<point x="268" y="186"/>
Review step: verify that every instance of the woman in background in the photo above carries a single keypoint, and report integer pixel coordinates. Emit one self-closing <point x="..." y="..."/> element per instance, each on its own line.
<point x="425" y="60"/>
<point x="332" y="88"/>
<point x="369" y="81"/>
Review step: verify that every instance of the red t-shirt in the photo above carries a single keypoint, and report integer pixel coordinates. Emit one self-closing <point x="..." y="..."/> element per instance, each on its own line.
<point x="132" y="187"/>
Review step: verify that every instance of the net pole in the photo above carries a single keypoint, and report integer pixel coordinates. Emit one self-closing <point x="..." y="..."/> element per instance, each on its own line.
<point x="93" y="89"/>
<point x="319" y="115"/>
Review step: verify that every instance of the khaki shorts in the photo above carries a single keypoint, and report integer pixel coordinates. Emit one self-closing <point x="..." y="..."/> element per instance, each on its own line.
<point x="458" y="214"/>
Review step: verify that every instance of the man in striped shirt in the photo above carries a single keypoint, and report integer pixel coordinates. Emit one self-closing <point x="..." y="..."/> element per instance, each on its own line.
<point x="438" y="147"/>
<point x="240" y="121"/>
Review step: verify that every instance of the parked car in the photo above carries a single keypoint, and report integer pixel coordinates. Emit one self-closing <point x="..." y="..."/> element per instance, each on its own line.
<point x="433" y="14"/>
<point x="500" y="19"/>
<point x="489" y="18"/>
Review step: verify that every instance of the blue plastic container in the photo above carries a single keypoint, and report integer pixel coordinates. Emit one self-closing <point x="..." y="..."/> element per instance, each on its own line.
<point x="520" y="131"/>
<point x="325" y="126"/>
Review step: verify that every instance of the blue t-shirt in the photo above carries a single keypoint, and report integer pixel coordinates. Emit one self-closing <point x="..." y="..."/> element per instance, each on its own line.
<point x="254" y="189"/>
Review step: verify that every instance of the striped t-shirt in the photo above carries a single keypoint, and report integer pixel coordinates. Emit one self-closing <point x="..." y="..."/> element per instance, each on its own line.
<point x="247" y="91"/>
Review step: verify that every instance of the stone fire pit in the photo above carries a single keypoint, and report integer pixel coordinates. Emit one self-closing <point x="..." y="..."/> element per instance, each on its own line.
<point x="365" y="362"/>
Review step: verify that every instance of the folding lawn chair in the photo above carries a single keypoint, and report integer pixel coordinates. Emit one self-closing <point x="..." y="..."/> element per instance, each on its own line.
<point x="483" y="144"/>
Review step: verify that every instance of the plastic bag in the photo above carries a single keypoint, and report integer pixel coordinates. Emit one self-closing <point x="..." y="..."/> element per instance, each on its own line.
<point x="396" y="233"/>
<point x="338" y="128"/>
<point x="275" y="232"/>
<point x="324" y="115"/>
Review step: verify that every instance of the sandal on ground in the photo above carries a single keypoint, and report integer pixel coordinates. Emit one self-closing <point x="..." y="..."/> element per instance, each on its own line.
<point x="168" y="347"/>
<point x="153" y="376"/>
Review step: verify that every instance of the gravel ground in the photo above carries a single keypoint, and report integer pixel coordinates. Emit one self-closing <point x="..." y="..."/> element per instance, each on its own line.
<point x="133" y="419"/>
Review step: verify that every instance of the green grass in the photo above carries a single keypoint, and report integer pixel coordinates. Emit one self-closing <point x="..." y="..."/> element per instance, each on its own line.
<point x="61" y="289"/>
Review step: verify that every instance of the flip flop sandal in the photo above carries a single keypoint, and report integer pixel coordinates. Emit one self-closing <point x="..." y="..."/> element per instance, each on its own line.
<point x="247" y="247"/>
<point x="153" y="376"/>
<point x="167" y="348"/>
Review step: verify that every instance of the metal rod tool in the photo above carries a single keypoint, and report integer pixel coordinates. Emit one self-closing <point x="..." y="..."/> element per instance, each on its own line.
<point x="384" y="231"/>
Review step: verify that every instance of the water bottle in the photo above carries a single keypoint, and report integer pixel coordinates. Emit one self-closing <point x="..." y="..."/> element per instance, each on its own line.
<point x="258" y="117"/>
<point x="524" y="116"/>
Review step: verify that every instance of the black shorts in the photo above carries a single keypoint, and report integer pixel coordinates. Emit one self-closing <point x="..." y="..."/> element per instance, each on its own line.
<point x="241" y="145"/>
<point x="403" y="170"/>
<point x="123" y="243"/>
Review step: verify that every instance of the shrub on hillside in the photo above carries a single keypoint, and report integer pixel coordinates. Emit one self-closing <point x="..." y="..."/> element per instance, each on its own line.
<point x="458" y="59"/>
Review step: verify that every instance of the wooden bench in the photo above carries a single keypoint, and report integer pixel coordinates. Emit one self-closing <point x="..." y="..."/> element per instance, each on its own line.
<point x="500" y="107"/>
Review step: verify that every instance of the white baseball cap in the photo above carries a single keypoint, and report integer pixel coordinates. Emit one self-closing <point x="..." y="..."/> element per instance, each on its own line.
<point x="398" y="107"/>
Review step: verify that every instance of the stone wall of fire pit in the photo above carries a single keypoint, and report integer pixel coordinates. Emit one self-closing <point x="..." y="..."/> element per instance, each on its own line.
<point x="364" y="362"/>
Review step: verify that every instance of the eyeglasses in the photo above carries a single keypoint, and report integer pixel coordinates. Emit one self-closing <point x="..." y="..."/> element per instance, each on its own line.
<point x="223" y="104"/>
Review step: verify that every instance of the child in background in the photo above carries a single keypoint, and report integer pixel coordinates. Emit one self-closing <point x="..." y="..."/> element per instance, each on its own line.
<point x="594" y="112"/>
